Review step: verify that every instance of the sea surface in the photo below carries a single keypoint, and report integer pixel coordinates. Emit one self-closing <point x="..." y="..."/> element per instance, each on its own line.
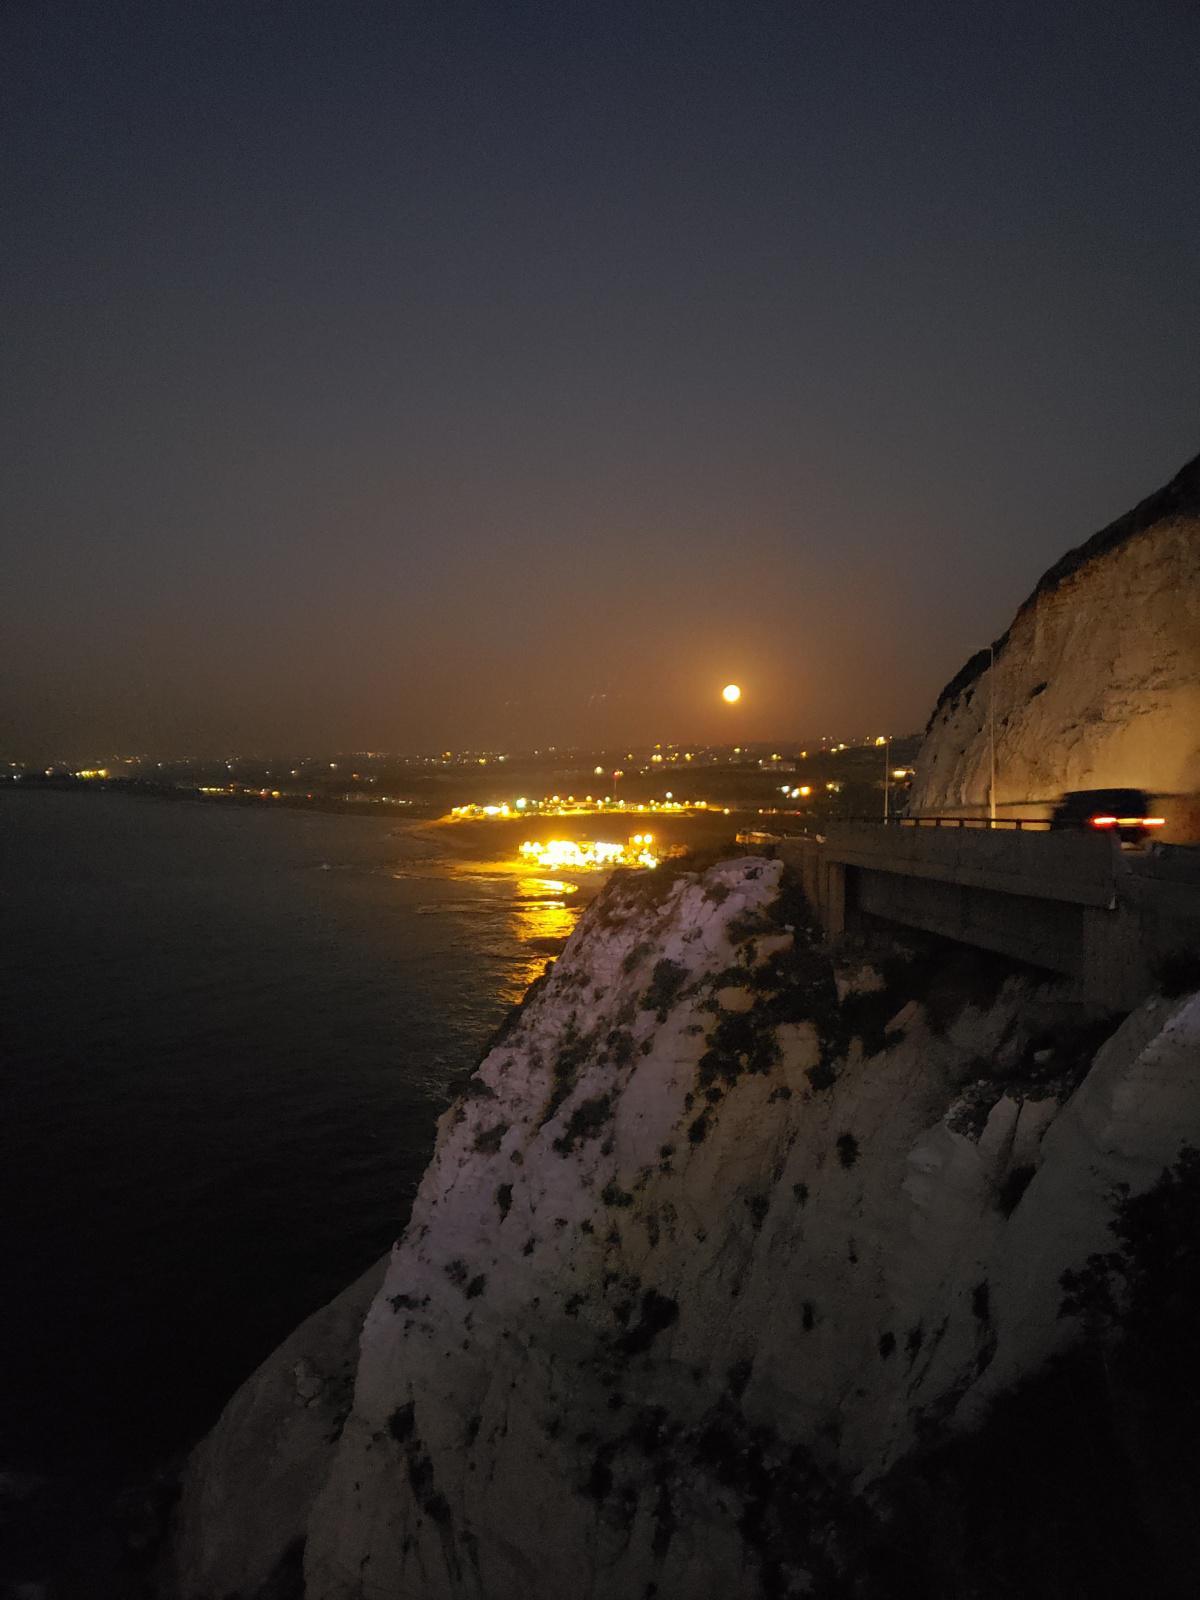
<point x="225" y="1036"/>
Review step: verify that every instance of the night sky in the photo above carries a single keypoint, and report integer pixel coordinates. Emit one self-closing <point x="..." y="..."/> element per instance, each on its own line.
<point x="416" y="376"/>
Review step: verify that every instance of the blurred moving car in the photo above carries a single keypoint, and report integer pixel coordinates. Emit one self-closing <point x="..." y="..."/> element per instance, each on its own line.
<point x="1125" y="811"/>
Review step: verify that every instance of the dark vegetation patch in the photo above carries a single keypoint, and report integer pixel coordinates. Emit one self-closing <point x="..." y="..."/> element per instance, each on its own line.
<point x="421" y="1482"/>
<point x="981" y="1302"/>
<point x="438" y="1508"/>
<point x="758" y="1205"/>
<point x="631" y="890"/>
<point x="619" y="1046"/>
<point x="476" y="1286"/>
<point x="1146" y="1291"/>
<point x="887" y="1346"/>
<point x="748" y="924"/>
<point x="847" y="1149"/>
<point x="573" y="1050"/>
<point x="489" y="1140"/>
<point x="401" y="1423"/>
<point x="822" y="1076"/>
<point x="407" y="1302"/>
<point x="504" y="1199"/>
<point x="635" y="957"/>
<point x="658" y="1312"/>
<point x="800" y="1193"/>
<point x="585" y="1123"/>
<point x="613" y="1195"/>
<point x="666" y="985"/>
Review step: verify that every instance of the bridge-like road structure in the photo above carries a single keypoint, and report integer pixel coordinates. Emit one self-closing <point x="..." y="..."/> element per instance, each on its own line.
<point x="1073" y="903"/>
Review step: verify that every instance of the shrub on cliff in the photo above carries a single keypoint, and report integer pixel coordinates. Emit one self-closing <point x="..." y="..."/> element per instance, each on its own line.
<point x="1147" y="1290"/>
<point x="666" y="984"/>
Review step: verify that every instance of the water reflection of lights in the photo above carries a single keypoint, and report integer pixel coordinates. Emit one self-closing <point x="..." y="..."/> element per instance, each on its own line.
<point x="541" y="916"/>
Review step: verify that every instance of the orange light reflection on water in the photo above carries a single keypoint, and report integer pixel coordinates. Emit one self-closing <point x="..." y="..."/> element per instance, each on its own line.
<point x="542" y="912"/>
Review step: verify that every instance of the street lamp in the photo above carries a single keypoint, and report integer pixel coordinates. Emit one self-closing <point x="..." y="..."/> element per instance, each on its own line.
<point x="992" y="735"/>
<point x="885" y="740"/>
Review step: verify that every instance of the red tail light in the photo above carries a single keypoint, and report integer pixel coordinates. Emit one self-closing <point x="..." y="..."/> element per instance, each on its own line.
<point x="1126" y="822"/>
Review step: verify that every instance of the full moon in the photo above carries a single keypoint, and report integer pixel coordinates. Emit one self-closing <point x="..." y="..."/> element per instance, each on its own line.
<point x="731" y="693"/>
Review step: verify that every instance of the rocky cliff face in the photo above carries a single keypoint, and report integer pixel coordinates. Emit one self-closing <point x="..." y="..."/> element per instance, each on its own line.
<point x="1097" y="682"/>
<point x="724" y="1237"/>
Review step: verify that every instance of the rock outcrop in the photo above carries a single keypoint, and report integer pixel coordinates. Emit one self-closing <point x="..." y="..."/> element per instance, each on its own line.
<point x="724" y="1234"/>
<point x="1096" y="683"/>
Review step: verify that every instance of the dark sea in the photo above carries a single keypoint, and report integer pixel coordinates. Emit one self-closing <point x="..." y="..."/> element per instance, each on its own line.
<point x="226" y="1035"/>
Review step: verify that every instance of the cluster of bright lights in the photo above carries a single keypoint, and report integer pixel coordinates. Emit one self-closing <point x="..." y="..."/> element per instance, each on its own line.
<point x="804" y="790"/>
<point x="572" y="805"/>
<point x="590" y="855"/>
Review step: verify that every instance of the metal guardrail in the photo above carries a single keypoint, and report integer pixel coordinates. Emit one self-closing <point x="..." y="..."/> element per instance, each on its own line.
<point x="934" y="820"/>
<point x="999" y="824"/>
<point x="987" y="824"/>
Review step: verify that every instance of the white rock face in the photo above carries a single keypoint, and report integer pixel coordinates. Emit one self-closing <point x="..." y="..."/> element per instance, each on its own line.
<point x="672" y="1254"/>
<point x="1095" y="685"/>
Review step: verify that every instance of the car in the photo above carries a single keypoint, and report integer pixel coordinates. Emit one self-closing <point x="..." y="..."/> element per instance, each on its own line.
<point x="1125" y="811"/>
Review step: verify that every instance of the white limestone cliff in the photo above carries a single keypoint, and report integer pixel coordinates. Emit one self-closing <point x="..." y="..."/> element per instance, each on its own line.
<point x="1096" y="684"/>
<point x="717" y="1237"/>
